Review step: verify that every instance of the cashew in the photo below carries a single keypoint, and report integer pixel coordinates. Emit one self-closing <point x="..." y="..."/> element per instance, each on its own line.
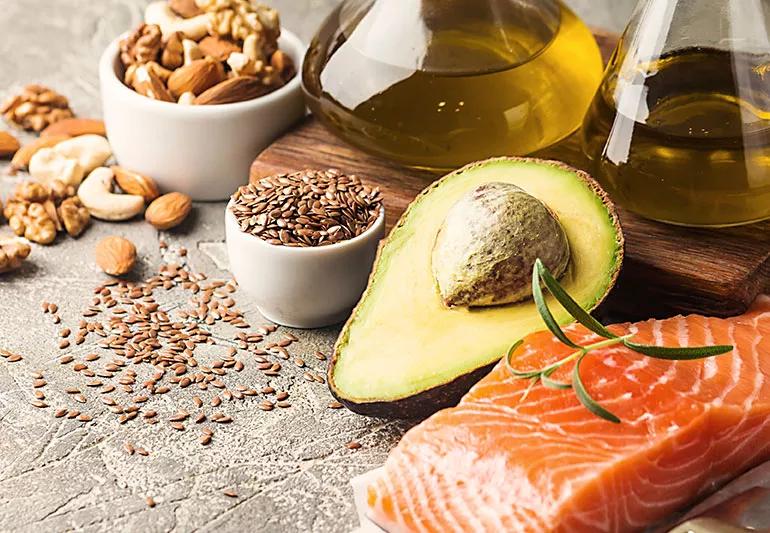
<point x="191" y="51"/>
<point x="48" y="165"/>
<point x="187" y="98"/>
<point x="96" y="195"/>
<point x="161" y="14"/>
<point x="90" y="151"/>
<point x="252" y="48"/>
<point x="243" y="65"/>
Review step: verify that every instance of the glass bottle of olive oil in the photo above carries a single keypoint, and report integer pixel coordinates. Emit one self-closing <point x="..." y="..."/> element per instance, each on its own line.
<point x="440" y="83"/>
<point x="679" y="130"/>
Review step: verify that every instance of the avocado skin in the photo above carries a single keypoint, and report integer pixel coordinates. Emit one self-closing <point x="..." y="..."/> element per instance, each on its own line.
<point x="420" y="405"/>
<point x="448" y="394"/>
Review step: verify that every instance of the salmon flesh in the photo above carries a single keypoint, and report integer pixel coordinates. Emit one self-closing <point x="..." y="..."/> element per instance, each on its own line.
<point x="547" y="464"/>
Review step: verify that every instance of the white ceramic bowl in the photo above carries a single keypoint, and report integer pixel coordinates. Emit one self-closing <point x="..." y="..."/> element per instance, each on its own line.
<point x="203" y="151"/>
<point x="303" y="287"/>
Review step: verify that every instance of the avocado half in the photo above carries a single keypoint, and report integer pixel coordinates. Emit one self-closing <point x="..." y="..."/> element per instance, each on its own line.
<point x="403" y="353"/>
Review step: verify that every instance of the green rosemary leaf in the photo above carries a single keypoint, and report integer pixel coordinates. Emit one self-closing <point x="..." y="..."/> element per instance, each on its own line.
<point x="542" y="308"/>
<point x="678" y="354"/>
<point x="517" y="373"/>
<point x="585" y="398"/>
<point x="552" y="384"/>
<point x="572" y="307"/>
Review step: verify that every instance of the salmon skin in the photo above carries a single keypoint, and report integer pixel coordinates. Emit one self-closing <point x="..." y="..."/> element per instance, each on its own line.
<point x="497" y="463"/>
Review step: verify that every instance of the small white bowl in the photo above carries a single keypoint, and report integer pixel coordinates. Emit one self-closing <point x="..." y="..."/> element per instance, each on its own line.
<point x="302" y="287"/>
<point x="203" y="151"/>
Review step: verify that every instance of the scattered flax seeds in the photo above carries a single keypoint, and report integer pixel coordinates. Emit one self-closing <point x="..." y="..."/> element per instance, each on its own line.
<point x="230" y="493"/>
<point x="353" y="445"/>
<point x="150" y="502"/>
<point x="130" y="327"/>
<point x="10" y="356"/>
<point x="307" y="208"/>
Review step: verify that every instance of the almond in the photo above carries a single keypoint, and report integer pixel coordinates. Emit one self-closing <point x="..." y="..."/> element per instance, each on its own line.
<point x="75" y="127"/>
<point x="135" y="183"/>
<point x="185" y="8"/>
<point x="168" y="210"/>
<point x="217" y="47"/>
<point x="8" y="144"/>
<point x="196" y="77"/>
<point x="21" y="160"/>
<point x="233" y="90"/>
<point x="147" y="83"/>
<point x="115" y="255"/>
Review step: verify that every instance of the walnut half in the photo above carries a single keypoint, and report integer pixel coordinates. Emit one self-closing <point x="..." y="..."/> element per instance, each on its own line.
<point x="141" y="46"/>
<point x="35" y="108"/>
<point x="37" y="212"/>
<point x="13" y="251"/>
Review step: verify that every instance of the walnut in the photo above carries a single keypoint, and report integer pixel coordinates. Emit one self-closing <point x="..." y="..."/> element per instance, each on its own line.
<point x="13" y="252"/>
<point x="237" y="19"/>
<point x="141" y="46"/>
<point x="35" y="108"/>
<point x="173" y="53"/>
<point x="38" y="212"/>
<point x="60" y="191"/>
<point x="34" y="224"/>
<point x="74" y="215"/>
<point x="31" y="191"/>
<point x="14" y="208"/>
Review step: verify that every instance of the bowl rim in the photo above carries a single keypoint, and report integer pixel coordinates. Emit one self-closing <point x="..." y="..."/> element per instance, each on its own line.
<point x="368" y="234"/>
<point x="288" y="41"/>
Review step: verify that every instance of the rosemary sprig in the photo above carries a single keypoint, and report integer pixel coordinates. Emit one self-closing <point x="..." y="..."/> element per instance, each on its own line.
<point x="541" y="276"/>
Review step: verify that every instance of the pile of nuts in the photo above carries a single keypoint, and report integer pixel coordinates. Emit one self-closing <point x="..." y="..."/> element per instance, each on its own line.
<point x="69" y="180"/>
<point x="205" y="52"/>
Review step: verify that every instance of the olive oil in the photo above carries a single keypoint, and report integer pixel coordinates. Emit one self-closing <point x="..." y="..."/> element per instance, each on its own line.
<point x="685" y="139"/>
<point x="469" y="90"/>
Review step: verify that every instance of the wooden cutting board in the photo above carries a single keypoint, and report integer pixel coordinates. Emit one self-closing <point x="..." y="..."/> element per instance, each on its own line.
<point x="667" y="269"/>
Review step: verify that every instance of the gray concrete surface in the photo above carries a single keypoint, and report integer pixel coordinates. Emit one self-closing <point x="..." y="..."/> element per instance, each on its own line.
<point x="290" y="467"/>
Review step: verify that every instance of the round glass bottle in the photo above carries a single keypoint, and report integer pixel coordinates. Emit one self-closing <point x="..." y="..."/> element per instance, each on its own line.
<point x="440" y="83"/>
<point x="679" y="130"/>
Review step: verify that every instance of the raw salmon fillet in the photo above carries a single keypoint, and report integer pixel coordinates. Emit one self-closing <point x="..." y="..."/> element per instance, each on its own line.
<point x="497" y="463"/>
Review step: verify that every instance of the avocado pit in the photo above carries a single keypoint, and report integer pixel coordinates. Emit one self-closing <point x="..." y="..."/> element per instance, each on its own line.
<point x="488" y="243"/>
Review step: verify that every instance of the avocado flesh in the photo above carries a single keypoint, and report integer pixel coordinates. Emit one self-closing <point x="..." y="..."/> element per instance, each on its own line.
<point x="403" y="352"/>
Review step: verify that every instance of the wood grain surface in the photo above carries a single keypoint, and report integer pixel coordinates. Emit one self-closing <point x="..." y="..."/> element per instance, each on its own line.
<point x="667" y="270"/>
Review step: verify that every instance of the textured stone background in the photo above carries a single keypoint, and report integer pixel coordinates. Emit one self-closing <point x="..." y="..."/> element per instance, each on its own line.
<point x="290" y="467"/>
